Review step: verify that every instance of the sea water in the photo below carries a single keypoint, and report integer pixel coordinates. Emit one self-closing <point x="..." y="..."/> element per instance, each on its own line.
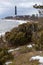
<point x="7" y="25"/>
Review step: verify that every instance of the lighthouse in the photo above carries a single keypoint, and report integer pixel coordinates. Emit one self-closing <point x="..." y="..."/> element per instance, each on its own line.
<point x="16" y="10"/>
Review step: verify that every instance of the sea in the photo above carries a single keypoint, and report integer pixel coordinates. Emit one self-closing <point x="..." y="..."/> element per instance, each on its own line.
<point x="6" y="25"/>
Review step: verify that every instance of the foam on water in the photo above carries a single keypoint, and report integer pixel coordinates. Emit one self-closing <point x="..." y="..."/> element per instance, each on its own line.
<point x="21" y="21"/>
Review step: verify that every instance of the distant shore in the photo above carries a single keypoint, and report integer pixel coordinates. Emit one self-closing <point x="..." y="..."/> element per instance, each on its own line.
<point x="22" y="17"/>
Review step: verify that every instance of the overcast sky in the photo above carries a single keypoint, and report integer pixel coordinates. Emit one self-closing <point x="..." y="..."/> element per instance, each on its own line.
<point x="7" y="6"/>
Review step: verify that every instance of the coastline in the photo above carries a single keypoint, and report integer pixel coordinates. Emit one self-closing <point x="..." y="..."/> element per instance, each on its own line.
<point x="13" y="20"/>
<point x="13" y="26"/>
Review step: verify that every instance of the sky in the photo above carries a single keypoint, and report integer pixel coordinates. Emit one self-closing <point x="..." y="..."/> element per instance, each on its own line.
<point x="24" y="7"/>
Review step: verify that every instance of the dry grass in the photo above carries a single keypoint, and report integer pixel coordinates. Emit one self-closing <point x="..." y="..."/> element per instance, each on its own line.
<point x="23" y="58"/>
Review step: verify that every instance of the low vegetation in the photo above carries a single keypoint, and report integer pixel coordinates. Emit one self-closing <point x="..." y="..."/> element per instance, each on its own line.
<point x="25" y="34"/>
<point x="30" y="33"/>
<point x="5" y="56"/>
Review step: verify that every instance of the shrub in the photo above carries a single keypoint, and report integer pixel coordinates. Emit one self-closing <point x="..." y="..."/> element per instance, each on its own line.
<point x="21" y="36"/>
<point x="4" y="56"/>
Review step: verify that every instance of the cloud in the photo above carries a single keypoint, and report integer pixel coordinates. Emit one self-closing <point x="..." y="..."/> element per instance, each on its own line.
<point x="2" y="10"/>
<point x="5" y="3"/>
<point x="19" y="3"/>
<point x="8" y="5"/>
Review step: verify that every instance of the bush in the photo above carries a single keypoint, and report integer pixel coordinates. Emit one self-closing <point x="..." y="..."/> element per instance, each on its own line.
<point x="38" y="40"/>
<point x="21" y="36"/>
<point x="4" y="56"/>
<point x="25" y="33"/>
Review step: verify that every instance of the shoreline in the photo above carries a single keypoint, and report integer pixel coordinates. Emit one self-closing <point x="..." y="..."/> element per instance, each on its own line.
<point x="19" y="21"/>
<point x="9" y="20"/>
